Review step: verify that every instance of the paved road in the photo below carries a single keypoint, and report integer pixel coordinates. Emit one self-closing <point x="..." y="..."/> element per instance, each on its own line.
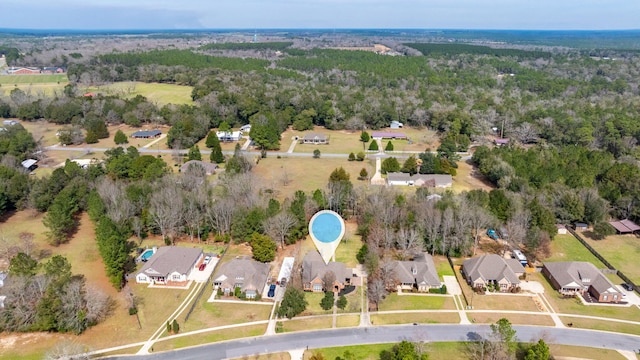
<point x="387" y="334"/>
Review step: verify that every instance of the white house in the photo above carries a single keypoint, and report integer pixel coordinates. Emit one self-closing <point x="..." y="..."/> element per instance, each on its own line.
<point x="226" y="136"/>
<point x="169" y="264"/>
<point x="428" y="180"/>
<point x="245" y="128"/>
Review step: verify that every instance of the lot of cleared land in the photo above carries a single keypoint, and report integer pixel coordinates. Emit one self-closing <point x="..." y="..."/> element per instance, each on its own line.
<point x="210" y="337"/>
<point x="413" y="317"/>
<point x="468" y="178"/>
<point x="306" y="174"/>
<point x="156" y="92"/>
<point x="394" y="301"/>
<point x="618" y="250"/>
<point x="33" y="79"/>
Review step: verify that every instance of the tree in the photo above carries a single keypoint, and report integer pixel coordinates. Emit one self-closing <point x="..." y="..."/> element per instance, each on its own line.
<point x="360" y="156"/>
<point x="194" y="153"/>
<point x="389" y="146"/>
<point x="362" y="253"/>
<point x="91" y="137"/>
<point x="278" y="226"/>
<point x="175" y="327"/>
<point x="352" y="157"/>
<point x="342" y="302"/>
<point x="374" y="145"/>
<point x="238" y="164"/>
<point x="390" y="164"/>
<point x="213" y="143"/>
<point x="404" y="350"/>
<point x="263" y="248"/>
<point x="602" y="229"/>
<point x="22" y="265"/>
<point x="365" y="137"/>
<point x="293" y="303"/>
<point x="503" y="333"/>
<point x="120" y="138"/>
<point x="327" y="300"/>
<point x="60" y="218"/>
<point x="329" y="280"/>
<point x="410" y="165"/>
<point x="316" y="154"/>
<point x="538" y="351"/>
<point x="364" y="175"/>
<point x="265" y="131"/>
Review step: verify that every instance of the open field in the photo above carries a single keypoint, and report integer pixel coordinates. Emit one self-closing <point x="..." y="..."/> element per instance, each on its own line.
<point x="33" y="79"/>
<point x="306" y="174"/>
<point x="155" y="92"/>
<point x="394" y="301"/>
<point x="574" y="306"/>
<point x="210" y="337"/>
<point x="467" y="178"/>
<point x="421" y="318"/>
<point x="602" y="325"/>
<point x="621" y="251"/>
<point x="568" y="248"/>
<point x="516" y="319"/>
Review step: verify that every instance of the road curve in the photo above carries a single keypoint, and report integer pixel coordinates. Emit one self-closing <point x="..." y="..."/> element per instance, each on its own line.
<point x="389" y="334"/>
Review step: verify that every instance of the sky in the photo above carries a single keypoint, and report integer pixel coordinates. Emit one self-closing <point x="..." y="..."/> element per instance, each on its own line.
<point x="327" y="14"/>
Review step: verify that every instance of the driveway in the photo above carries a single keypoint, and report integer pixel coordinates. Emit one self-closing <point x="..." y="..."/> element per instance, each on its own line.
<point x="453" y="287"/>
<point x="532" y="286"/>
<point x="202" y="276"/>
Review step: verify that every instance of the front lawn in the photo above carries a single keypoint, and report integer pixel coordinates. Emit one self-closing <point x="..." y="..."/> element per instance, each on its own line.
<point x="417" y="302"/>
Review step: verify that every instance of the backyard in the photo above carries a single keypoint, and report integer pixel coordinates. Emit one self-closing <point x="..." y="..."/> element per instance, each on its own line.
<point x="621" y="251"/>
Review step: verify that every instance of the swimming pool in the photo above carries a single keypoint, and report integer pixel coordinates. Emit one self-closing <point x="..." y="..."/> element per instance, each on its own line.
<point x="146" y="254"/>
<point x="327" y="226"/>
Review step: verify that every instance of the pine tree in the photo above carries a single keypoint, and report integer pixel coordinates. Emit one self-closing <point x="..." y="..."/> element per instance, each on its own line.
<point x="194" y="153"/>
<point x="389" y="146"/>
<point x="374" y="145"/>
<point x="91" y="138"/>
<point x="120" y="138"/>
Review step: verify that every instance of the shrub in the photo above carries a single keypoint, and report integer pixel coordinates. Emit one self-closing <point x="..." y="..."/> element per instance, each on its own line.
<point x="389" y="146"/>
<point x="374" y="145"/>
<point x="352" y="157"/>
<point x="133" y="310"/>
<point x="316" y="154"/>
<point x="360" y="156"/>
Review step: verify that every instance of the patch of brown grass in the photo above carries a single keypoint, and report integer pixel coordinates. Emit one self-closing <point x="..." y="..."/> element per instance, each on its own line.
<point x="468" y="178"/>
<point x="348" y="321"/>
<point x="569" y="352"/>
<point x="209" y="337"/>
<point x="408" y="318"/>
<point x="602" y="325"/>
<point x="324" y="322"/>
<point x="516" y="319"/>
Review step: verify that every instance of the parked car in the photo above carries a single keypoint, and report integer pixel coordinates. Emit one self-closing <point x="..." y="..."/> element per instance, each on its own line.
<point x="492" y="234"/>
<point x="272" y="291"/>
<point x="283" y="282"/>
<point x="627" y="286"/>
<point x="202" y="266"/>
<point x="207" y="259"/>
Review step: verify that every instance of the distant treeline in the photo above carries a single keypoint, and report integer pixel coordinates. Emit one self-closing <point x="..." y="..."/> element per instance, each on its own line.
<point x="455" y="49"/>
<point x="182" y="57"/>
<point x="248" y="46"/>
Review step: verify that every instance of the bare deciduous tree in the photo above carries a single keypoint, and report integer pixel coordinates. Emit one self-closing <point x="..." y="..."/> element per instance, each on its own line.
<point x="279" y="225"/>
<point x="220" y="214"/>
<point x="329" y="280"/>
<point x="166" y="208"/>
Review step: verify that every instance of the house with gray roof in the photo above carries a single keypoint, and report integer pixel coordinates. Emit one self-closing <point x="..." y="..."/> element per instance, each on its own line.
<point x="209" y="168"/>
<point x="427" y="180"/>
<point x="169" y="264"/>
<point x="244" y="273"/>
<point x="314" y="273"/>
<point x="315" y="138"/>
<point x="581" y="278"/>
<point x="146" y="134"/>
<point x="419" y="274"/>
<point x="494" y="270"/>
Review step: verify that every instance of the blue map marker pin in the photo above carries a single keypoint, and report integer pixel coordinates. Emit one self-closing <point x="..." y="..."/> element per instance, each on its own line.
<point x="326" y="229"/>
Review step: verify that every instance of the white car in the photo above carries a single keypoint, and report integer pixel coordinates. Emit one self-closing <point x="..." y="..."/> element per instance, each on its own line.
<point x="207" y="259"/>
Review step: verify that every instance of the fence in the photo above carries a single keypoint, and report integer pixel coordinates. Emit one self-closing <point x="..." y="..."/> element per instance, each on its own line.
<point x="206" y="285"/>
<point x="604" y="261"/>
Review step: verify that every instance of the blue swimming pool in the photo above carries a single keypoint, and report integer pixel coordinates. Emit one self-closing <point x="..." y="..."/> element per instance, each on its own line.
<point x="146" y="255"/>
<point x="327" y="227"/>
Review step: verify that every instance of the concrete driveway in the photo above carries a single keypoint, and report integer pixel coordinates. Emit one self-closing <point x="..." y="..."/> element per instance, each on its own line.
<point x="532" y="286"/>
<point x="202" y="276"/>
<point x="453" y="287"/>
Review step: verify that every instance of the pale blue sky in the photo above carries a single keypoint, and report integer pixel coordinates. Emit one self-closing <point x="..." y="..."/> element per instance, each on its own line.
<point x="222" y="14"/>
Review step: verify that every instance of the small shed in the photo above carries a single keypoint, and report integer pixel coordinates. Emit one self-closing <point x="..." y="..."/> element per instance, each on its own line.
<point x="581" y="226"/>
<point x="245" y="128"/>
<point x="562" y="230"/>
<point x="30" y="164"/>
<point x="10" y="122"/>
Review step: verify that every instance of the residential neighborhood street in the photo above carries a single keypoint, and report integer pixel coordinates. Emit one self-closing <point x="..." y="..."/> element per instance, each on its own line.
<point x="386" y="334"/>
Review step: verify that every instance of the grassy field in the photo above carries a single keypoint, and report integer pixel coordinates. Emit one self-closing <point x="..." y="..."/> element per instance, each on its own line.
<point x="568" y="248"/>
<point x="416" y="302"/>
<point x="324" y="322"/>
<point x="516" y="319"/>
<point x="408" y="318"/>
<point x="602" y="325"/>
<point x="33" y="79"/>
<point x="465" y="181"/>
<point x="306" y="174"/>
<point x="574" y="306"/>
<point x="621" y="251"/>
<point x="155" y="92"/>
<point x="210" y="337"/>
<point x="585" y="353"/>
<point x="215" y="314"/>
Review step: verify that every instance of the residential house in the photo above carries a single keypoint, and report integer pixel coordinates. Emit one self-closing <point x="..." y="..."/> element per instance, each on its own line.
<point x="23" y="70"/>
<point x="53" y="70"/>
<point x="426" y="180"/>
<point x="146" y="134"/>
<point x="419" y="274"/>
<point x="228" y="136"/>
<point x="315" y="138"/>
<point x="580" y="277"/>
<point x="625" y="226"/>
<point x="314" y="271"/>
<point x="388" y="135"/>
<point x="244" y="273"/>
<point x="209" y="168"/>
<point x="486" y="270"/>
<point x="396" y="125"/>
<point x="169" y="264"/>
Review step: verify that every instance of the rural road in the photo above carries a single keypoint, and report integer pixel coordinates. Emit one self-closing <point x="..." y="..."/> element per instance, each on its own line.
<point x="390" y="334"/>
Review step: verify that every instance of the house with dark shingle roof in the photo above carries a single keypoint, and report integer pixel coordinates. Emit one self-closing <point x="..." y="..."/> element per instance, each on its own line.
<point x="314" y="270"/>
<point x="247" y="274"/>
<point x="169" y="264"/>
<point x="492" y="269"/>
<point x="419" y="274"/>
<point x="146" y="134"/>
<point x="315" y="138"/>
<point x="581" y="277"/>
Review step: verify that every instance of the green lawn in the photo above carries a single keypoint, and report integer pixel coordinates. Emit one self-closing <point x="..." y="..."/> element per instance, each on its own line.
<point x="33" y="79"/>
<point x="313" y="304"/>
<point x="417" y="302"/>
<point x="421" y="317"/>
<point x="156" y="92"/>
<point x="568" y="248"/>
<point x="349" y="246"/>
<point x="621" y="251"/>
<point x="324" y="322"/>
<point x="442" y="266"/>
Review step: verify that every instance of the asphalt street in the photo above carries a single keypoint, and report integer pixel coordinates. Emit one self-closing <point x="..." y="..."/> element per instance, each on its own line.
<point x="390" y="334"/>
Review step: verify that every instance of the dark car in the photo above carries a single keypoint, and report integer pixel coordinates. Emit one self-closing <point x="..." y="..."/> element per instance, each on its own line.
<point x="272" y="291"/>
<point x="202" y="266"/>
<point x="627" y="287"/>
